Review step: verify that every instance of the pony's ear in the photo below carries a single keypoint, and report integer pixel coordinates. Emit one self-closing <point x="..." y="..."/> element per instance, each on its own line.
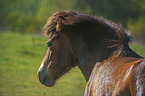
<point x="62" y="17"/>
<point x="60" y="22"/>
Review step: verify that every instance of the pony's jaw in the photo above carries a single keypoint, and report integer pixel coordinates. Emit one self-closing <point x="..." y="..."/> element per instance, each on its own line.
<point x="44" y="77"/>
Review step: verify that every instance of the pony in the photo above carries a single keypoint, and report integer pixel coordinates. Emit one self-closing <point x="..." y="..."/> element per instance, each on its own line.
<point x="99" y="47"/>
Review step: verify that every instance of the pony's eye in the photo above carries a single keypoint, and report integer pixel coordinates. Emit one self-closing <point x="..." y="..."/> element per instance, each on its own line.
<point x="49" y="44"/>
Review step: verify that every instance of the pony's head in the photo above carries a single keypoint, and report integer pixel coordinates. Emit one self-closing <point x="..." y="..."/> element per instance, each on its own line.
<point x="59" y="57"/>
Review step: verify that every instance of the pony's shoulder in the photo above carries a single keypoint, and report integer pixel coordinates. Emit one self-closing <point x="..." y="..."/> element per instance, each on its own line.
<point x="139" y="77"/>
<point x="113" y="76"/>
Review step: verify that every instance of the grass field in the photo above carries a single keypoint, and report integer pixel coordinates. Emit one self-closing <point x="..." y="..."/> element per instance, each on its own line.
<point x="20" y="58"/>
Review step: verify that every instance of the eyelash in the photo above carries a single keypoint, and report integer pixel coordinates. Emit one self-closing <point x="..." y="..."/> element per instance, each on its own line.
<point x="49" y="44"/>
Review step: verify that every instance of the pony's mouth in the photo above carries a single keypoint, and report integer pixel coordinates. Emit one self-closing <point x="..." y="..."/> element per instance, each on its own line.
<point x="47" y="81"/>
<point x="44" y="77"/>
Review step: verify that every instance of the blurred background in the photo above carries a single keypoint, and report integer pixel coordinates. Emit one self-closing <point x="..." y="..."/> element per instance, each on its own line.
<point x="30" y="15"/>
<point x="22" y="45"/>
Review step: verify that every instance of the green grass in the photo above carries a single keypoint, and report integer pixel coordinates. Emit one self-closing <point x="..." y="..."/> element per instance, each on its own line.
<point x="20" y="58"/>
<point x="140" y="49"/>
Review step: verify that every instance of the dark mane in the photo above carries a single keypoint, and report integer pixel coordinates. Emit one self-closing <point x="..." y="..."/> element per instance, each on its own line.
<point x="61" y="20"/>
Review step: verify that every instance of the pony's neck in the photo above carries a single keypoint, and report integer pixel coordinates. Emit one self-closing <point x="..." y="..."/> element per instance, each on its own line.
<point x="88" y="58"/>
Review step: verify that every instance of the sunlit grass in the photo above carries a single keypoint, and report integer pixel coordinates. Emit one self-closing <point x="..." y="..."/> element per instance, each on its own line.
<point x="139" y="49"/>
<point x="20" y="58"/>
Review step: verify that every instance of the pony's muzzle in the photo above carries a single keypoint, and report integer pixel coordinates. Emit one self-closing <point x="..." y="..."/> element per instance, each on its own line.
<point x="44" y="77"/>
